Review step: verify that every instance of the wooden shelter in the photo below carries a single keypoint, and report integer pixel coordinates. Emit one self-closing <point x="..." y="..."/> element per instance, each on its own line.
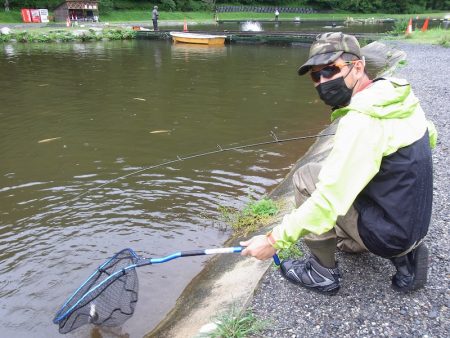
<point x="77" y="10"/>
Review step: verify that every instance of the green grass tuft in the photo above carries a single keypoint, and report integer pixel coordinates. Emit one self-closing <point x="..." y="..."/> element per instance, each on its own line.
<point x="254" y="215"/>
<point x="236" y="324"/>
<point x="293" y="252"/>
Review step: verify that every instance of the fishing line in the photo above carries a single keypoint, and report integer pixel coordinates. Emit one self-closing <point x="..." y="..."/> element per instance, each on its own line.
<point x="219" y="149"/>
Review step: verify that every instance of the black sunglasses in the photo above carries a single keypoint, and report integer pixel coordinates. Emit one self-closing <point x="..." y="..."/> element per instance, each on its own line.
<point x="329" y="71"/>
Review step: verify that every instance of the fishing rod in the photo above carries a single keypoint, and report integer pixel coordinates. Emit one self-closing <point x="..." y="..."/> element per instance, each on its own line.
<point x="219" y="149"/>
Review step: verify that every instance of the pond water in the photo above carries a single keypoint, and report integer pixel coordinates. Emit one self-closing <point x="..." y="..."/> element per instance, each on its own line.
<point x="310" y="26"/>
<point x="304" y="26"/>
<point x="75" y="116"/>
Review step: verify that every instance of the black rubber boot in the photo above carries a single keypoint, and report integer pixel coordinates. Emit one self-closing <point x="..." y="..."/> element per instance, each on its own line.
<point x="311" y="274"/>
<point x="412" y="270"/>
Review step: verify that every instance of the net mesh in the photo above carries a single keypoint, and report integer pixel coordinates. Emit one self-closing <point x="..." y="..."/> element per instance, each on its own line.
<point x="104" y="299"/>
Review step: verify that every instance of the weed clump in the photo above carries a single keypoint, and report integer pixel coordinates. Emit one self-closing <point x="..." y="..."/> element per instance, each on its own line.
<point x="236" y="324"/>
<point x="254" y="215"/>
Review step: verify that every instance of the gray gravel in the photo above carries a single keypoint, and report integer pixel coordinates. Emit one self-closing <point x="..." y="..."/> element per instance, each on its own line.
<point x="366" y="306"/>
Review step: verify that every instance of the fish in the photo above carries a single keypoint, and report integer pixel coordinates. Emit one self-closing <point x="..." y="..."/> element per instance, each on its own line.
<point x="160" y="131"/>
<point x="49" y="139"/>
<point x="139" y="99"/>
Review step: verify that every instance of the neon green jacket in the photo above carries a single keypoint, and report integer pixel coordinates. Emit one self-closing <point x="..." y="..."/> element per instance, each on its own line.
<point x="378" y="121"/>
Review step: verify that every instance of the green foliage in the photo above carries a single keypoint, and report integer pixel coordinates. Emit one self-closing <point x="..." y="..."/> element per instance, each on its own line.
<point x="236" y="324"/>
<point x="191" y="5"/>
<point x="11" y="16"/>
<point x="431" y="36"/>
<point x="168" y="5"/>
<point x="362" y="6"/>
<point x="264" y="207"/>
<point x="106" y="6"/>
<point x="5" y="38"/>
<point x="249" y="219"/>
<point x="386" y="6"/>
<point x="119" y="34"/>
<point x="69" y="35"/>
<point x="399" y="27"/>
<point x="292" y="252"/>
<point x="444" y="41"/>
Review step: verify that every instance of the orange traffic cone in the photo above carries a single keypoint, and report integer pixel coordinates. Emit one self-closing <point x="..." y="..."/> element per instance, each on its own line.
<point x="409" y="27"/>
<point x="425" y="25"/>
<point x="185" y="29"/>
<point x="68" y="22"/>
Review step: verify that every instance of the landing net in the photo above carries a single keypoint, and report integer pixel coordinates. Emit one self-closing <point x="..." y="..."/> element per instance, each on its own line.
<point x="107" y="298"/>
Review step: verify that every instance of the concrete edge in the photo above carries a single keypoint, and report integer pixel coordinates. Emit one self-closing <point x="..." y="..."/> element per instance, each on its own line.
<point x="226" y="281"/>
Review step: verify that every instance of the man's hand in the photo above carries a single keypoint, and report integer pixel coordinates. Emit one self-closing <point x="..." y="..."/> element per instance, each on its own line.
<point x="258" y="247"/>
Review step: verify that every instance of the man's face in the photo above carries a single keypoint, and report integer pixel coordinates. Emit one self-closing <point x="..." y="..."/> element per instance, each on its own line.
<point x="339" y="68"/>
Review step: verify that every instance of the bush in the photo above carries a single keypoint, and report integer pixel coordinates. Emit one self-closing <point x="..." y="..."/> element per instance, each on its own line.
<point x="168" y="5"/>
<point x="444" y="41"/>
<point x="5" y="38"/>
<point x="399" y="27"/>
<point x="106" y="6"/>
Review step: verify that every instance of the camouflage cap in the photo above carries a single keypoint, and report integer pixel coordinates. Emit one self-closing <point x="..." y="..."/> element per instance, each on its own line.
<point x="328" y="47"/>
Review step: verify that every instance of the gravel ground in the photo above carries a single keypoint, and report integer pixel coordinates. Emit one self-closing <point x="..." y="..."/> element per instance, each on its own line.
<point x="366" y="306"/>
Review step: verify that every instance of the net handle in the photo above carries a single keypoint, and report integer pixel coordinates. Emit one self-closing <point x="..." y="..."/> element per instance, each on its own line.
<point x="200" y="252"/>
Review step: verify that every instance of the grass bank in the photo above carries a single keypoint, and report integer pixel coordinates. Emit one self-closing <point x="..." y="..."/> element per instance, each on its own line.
<point x="135" y="15"/>
<point x="68" y="35"/>
<point x="435" y="36"/>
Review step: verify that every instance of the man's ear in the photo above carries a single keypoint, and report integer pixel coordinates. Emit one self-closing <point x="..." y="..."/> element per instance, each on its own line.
<point x="360" y="66"/>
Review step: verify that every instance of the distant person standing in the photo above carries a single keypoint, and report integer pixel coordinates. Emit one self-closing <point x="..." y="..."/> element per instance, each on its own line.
<point x="155" y="16"/>
<point x="277" y="13"/>
<point x="6" y="5"/>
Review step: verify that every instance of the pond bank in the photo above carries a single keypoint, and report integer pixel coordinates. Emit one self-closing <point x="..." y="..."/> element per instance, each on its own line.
<point x="131" y="30"/>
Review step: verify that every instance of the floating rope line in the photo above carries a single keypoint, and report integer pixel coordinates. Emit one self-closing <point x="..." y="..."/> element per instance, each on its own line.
<point x="220" y="149"/>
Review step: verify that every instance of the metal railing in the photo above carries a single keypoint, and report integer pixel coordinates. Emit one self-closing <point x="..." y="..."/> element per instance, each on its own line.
<point x="264" y="9"/>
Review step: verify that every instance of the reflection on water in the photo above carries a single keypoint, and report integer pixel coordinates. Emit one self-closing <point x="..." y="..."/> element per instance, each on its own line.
<point x="9" y="51"/>
<point x="186" y="51"/>
<point x="75" y="116"/>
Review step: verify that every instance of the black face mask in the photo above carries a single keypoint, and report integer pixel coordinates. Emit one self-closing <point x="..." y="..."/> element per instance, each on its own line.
<point x="335" y="93"/>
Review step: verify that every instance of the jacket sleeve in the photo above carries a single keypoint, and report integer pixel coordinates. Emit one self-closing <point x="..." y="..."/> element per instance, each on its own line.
<point x="354" y="160"/>
<point x="433" y="134"/>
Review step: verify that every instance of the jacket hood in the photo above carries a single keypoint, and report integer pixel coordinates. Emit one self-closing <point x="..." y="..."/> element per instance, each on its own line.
<point x="386" y="98"/>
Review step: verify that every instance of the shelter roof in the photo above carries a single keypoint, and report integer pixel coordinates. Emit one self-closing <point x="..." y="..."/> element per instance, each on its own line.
<point x="80" y="4"/>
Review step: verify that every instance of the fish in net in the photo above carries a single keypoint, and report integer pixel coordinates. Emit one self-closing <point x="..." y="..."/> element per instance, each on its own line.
<point x="107" y="298"/>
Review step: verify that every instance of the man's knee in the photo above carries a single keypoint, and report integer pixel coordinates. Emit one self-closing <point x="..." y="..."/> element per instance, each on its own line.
<point x="306" y="177"/>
